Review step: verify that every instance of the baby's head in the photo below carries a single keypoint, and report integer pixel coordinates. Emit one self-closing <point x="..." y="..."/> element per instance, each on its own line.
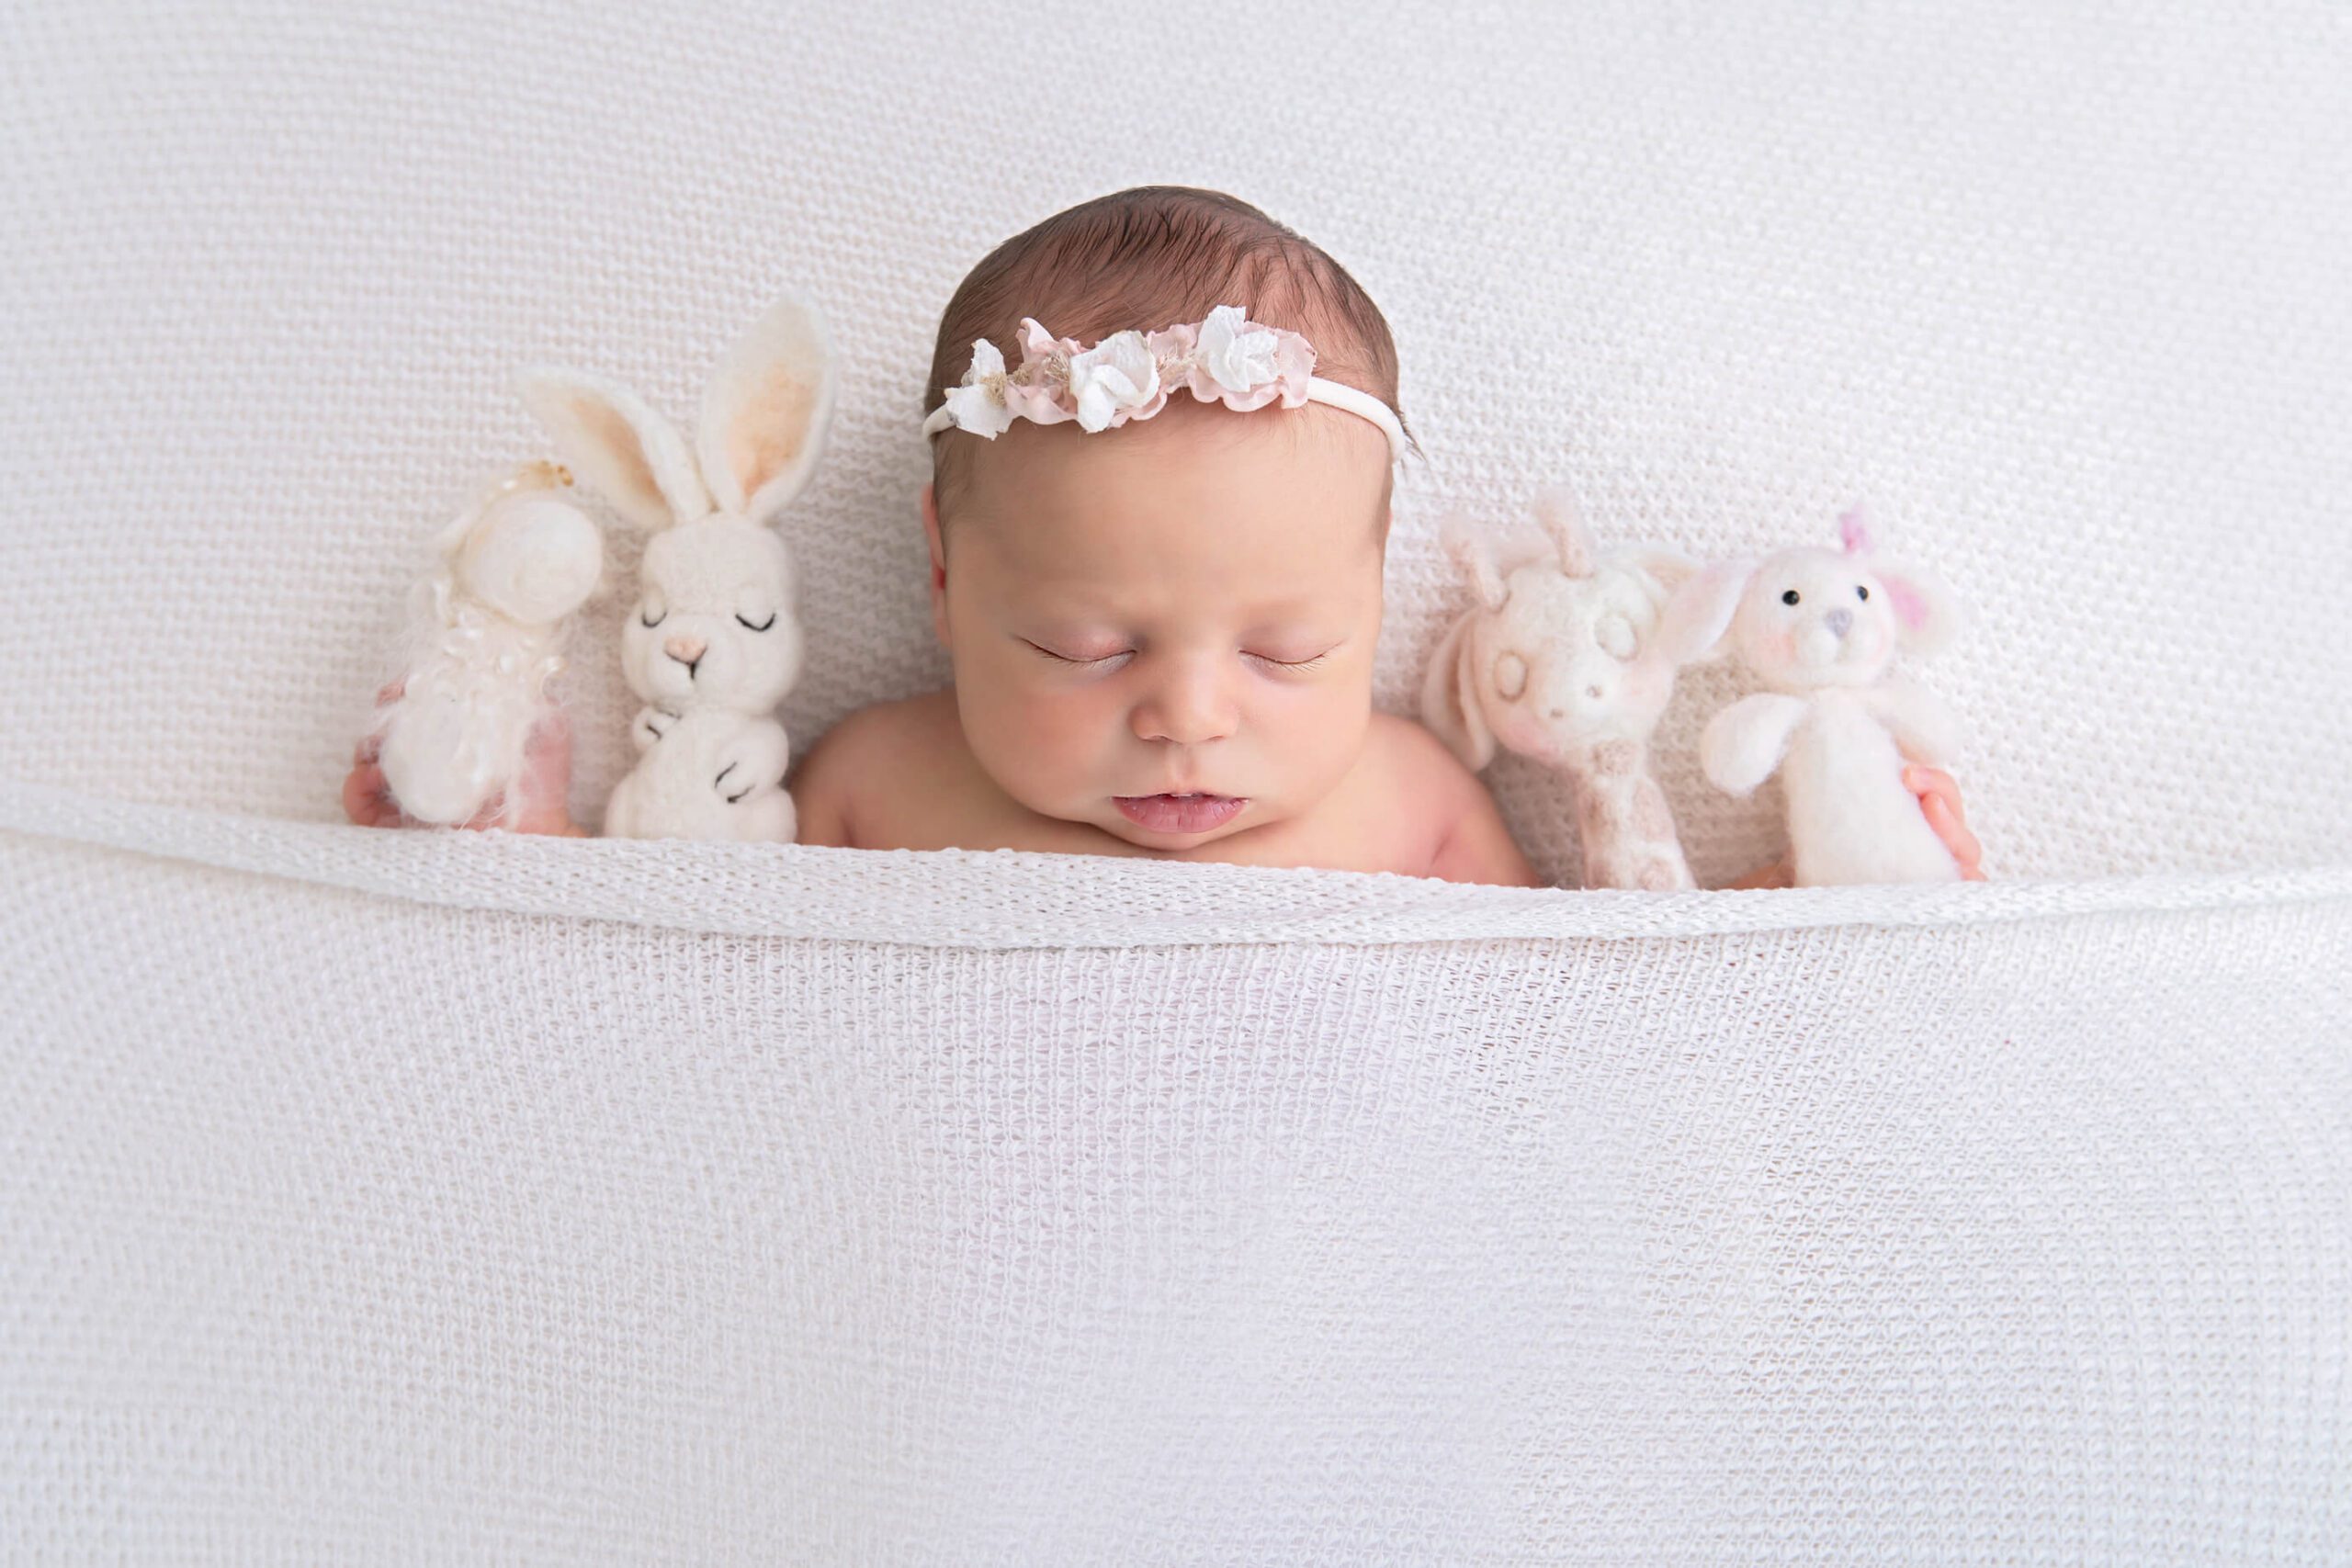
<point x="1182" y="604"/>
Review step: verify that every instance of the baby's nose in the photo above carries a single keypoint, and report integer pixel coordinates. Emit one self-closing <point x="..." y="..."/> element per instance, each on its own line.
<point x="685" y="650"/>
<point x="1839" y="620"/>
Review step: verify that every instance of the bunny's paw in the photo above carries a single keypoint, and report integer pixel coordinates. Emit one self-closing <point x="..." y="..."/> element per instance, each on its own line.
<point x="651" y="725"/>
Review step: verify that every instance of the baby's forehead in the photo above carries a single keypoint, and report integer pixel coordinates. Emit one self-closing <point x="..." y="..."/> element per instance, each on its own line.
<point x="1113" y="590"/>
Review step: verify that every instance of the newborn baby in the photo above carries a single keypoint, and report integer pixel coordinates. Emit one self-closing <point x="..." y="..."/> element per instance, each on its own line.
<point x="1162" y="630"/>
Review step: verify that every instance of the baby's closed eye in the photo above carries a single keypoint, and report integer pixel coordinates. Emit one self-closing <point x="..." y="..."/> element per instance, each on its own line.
<point x="1285" y="658"/>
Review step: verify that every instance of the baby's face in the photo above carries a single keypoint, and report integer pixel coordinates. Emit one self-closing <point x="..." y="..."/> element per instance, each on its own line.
<point x="1183" y="605"/>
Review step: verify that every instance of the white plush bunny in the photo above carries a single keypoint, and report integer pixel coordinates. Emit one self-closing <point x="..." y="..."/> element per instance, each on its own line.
<point x="713" y="642"/>
<point x="1822" y="627"/>
<point x="486" y="633"/>
<point x="1568" y="657"/>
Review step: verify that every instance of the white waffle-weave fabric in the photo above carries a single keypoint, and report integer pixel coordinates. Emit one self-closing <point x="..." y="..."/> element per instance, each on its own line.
<point x="404" y="1197"/>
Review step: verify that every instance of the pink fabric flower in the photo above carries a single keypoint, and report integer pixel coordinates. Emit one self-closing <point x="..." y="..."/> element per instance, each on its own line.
<point x="1245" y="366"/>
<point x="1036" y="391"/>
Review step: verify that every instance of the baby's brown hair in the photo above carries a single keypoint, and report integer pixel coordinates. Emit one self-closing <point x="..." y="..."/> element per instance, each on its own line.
<point x="1146" y="258"/>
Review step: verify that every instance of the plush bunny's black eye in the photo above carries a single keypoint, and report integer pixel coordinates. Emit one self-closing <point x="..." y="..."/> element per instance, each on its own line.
<point x="1861" y="591"/>
<point x="1790" y="597"/>
<point x="649" y="621"/>
<point x="762" y="625"/>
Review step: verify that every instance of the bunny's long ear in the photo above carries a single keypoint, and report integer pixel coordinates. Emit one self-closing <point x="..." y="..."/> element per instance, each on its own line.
<point x="1690" y="628"/>
<point x="628" y="454"/>
<point x="766" y="412"/>
<point x="1450" y="704"/>
<point x="1926" y="613"/>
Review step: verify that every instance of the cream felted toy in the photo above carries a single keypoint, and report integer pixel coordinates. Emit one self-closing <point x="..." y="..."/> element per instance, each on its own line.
<point x="712" y="643"/>
<point x="1822" y="627"/>
<point x="486" y="635"/>
<point x="1568" y="657"/>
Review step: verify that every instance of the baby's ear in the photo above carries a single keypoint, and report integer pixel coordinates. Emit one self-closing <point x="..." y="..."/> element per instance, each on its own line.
<point x="766" y="412"/>
<point x="1450" y="705"/>
<point x="628" y="454"/>
<point x="1690" y="628"/>
<point x="1926" y="615"/>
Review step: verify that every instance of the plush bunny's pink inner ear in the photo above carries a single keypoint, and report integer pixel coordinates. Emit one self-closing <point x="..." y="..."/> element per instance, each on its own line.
<point x="1926" y="613"/>
<point x="1909" y="607"/>
<point x="1854" y="531"/>
<point x="765" y="413"/>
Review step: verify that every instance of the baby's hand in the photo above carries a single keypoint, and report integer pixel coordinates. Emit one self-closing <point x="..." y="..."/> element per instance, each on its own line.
<point x="1939" y="799"/>
<point x="546" y="780"/>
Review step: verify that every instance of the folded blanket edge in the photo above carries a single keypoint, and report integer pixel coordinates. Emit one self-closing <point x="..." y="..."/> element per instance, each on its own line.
<point x="961" y="898"/>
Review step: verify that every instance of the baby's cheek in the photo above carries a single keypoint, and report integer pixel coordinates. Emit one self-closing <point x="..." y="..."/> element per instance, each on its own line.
<point x="1041" y="745"/>
<point x="1316" y="739"/>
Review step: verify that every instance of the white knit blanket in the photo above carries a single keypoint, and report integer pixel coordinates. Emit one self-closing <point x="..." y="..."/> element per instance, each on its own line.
<point x="408" y="1198"/>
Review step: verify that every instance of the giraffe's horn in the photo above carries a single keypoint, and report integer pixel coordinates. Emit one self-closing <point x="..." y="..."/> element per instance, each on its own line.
<point x="1467" y="546"/>
<point x="1557" y="510"/>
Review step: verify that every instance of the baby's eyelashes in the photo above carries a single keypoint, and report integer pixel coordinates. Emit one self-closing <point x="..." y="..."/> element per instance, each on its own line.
<point x="1310" y="661"/>
<point x="1077" y="658"/>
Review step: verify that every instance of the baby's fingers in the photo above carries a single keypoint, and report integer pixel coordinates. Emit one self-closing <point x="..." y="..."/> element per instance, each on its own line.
<point x="1954" y="833"/>
<point x="1925" y="781"/>
<point x="364" y="799"/>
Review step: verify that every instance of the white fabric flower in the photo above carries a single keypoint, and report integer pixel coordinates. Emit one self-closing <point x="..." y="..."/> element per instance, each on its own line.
<point x="1236" y="360"/>
<point x="979" y="405"/>
<point x="1117" y="373"/>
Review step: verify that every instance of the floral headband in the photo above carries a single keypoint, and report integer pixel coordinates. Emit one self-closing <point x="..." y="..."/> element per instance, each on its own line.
<point x="1228" y="358"/>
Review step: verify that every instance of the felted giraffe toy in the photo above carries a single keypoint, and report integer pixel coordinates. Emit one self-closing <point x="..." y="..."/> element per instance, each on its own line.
<point x="1568" y="657"/>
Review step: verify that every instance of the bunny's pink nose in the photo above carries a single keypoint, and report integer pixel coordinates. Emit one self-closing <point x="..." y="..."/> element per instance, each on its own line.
<point x="685" y="650"/>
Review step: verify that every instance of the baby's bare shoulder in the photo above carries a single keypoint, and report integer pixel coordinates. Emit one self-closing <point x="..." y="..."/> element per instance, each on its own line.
<point x="1468" y="839"/>
<point x="1415" y="765"/>
<point x="849" y="772"/>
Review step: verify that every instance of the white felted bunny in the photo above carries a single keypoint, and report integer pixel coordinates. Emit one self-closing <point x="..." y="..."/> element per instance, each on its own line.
<point x="1822" y="627"/>
<point x="1568" y="657"/>
<point x="713" y="642"/>
<point x="485" y="638"/>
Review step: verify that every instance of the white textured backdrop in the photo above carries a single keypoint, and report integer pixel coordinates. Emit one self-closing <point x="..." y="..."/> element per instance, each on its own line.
<point x="414" y="1198"/>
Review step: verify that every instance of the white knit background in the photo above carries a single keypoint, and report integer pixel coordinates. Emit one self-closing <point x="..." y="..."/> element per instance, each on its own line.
<point x="423" y="1197"/>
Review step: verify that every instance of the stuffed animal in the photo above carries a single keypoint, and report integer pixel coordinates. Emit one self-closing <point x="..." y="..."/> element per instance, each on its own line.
<point x="1568" y="657"/>
<point x="485" y="638"/>
<point x="713" y="641"/>
<point x="1822" y="627"/>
